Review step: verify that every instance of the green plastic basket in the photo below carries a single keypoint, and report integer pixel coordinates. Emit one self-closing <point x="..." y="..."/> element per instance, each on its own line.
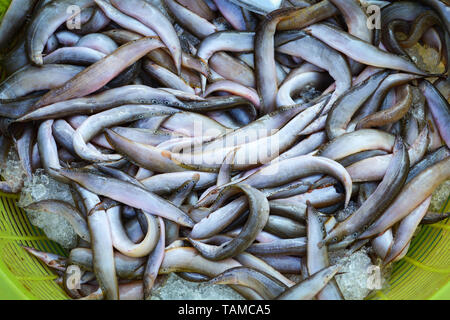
<point x="423" y="274"/>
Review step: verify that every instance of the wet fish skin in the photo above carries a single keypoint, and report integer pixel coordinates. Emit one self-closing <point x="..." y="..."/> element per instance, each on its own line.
<point x="45" y="23"/>
<point x="30" y="79"/>
<point x="153" y="18"/>
<point x="266" y="77"/>
<point x="64" y="209"/>
<point x="124" y="20"/>
<point x="96" y="22"/>
<point x="234" y="15"/>
<point x="354" y="142"/>
<point x="393" y="114"/>
<point x="116" y="116"/>
<point x="433" y="217"/>
<point x="120" y="239"/>
<point x="302" y="17"/>
<point x="73" y="55"/>
<point x="258" y="216"/>
<point x="291" y="247"/>
<point x="355" y="18"/>
<point x="224" y="41"/>
<point x="267" y="286"/>
<point x="24" y="147"/>
<point x="102" y="247"/>
<point x="103" y="71"/>
<point x="251" y="261"/>
<point x="318" y="53"/>
<point x="13" y="19"/>
<point x="408" y="198"/>
<point x="361" y="51"/>
<point x="129" y="194"/>
<point x="97" y="41"/>
<point x="374" y="168"/>
<point x="317" y="256"/>
<point x="347" y="105"/>
<point x="382" y="197"/>
<point x="405" y="231"/>
<point x="146" y="156"/>
<point x="309" y="288"/>
<point x="188" y="259"/>
<point x="126" y="267"/>
<point x="422" y="23"/>
<point x="130" y="94"/>
<point x="285" y="227"/>
<point x="258" y="7"/>
<point x="194" y="23"/>
<point x="374" y="103"/>
<point x="52" y="260"/>
<point x="442" y="8"/>
<point x="439" y="107"/>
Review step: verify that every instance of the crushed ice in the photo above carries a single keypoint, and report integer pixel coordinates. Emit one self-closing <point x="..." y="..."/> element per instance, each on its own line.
<point x="43" y="187"/>
<point x="178" y="289"/>
<point x="12" y="170"/>
<point x="357" y="277"/>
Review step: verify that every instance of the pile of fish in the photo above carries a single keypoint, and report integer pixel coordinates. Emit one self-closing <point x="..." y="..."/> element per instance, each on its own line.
<point x="225" y="140"/>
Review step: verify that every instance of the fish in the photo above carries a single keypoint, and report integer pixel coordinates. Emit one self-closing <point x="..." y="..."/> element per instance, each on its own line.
<point x="66" y="210"/>
<point x="124" y="20"/>
<point x="102" y="247"/>
<point x="80" y="85"/>
<point x="430" y="177"/>
<point x="348" y="104"/>
<point x="227" y="141"/>
<point x="361" y="51"/>
<point x="439" y="107"/>
<point x="265" y="285"/>
<point x="378" y="201"/>
<point x="224" y="41"/>
<point x="137" y="197"/>
<point x="187" y="259"/>
<point x="94" y="124"/>
<point x="154" y="19"/>
<point x="311" y="286"/>
<point x="14" y="17"/>
<point x="197" y="25"/>
<point x="317" y="256"/>
<point x="126" y="267"/>
<point x="393" y="114"/>
<point x="405" y="231"/>
<point x="52" y="260"/>
<point x="123" y="244"/>
<point x="129" y="94"/>
<point x="258" y="217"/>
<point x="46" y="21"/>
<point x="433" y="217"/>
<point x="30" y="79"/>
<point x="258" y="7"/>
